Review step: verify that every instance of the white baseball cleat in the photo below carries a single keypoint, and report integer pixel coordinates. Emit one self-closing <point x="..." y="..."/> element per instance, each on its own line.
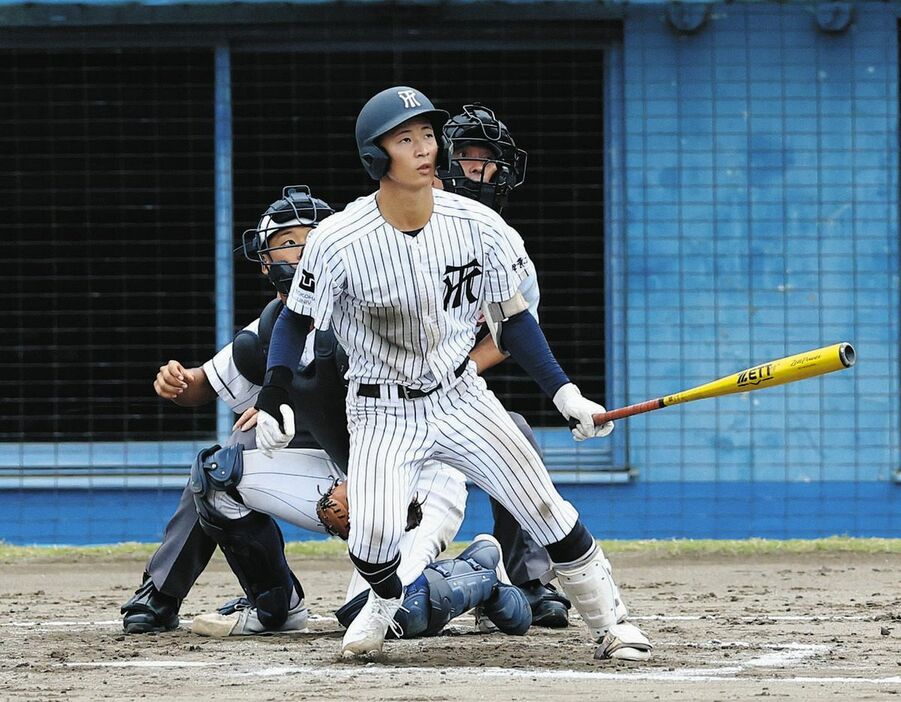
<point x="625" y="642"/>
<point x="243" y="621"/>
<point x="366" y="634"/>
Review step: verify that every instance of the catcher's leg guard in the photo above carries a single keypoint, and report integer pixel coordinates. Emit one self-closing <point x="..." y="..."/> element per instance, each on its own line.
<point x="412" y="617"/>
<point x="255" y="550"/>
<point x="470" y="580"/>
<point x="252" y="544"/>
<point x="508" y="607"/>
<point x="240" y="617"/>
<point x="448" y="588"/>
<point x="589" y="584"/>
<point x="455" y="586"/>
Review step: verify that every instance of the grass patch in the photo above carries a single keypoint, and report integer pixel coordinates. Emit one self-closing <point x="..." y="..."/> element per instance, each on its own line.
<point x="753" y="547"/>
<point x="336" y="548"/>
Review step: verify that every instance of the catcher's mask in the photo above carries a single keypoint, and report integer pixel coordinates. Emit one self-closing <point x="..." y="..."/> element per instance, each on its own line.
<point x="477" y="125"/>
<point x="296" y="208"/>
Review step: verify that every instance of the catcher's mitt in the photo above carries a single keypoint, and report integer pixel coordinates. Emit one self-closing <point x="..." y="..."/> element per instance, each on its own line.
<point x="332" y="511"/>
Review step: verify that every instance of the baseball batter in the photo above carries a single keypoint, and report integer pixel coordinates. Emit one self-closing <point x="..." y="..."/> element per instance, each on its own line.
<point x="236" y="492"/>
<point x="402" y="276"/>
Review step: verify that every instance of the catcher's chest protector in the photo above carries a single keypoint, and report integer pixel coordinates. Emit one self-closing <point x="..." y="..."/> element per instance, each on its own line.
<point x="319" y="394"/>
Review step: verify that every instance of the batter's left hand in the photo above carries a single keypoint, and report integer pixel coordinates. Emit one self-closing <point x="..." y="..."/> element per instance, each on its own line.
<point x="580" y="410"/>
<point x="272" y="433"/>
<point x="275" y="420"/>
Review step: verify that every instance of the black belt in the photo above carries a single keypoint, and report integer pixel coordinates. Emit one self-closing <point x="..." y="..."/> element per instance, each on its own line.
<point x="370" y="390"/>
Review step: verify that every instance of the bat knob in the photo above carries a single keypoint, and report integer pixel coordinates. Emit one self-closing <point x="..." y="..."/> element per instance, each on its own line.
<point x="847" y="355"/>
<point x="573" y="423"/>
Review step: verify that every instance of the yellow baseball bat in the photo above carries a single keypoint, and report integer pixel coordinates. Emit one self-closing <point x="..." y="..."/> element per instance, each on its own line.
<point x="784" y="370"/>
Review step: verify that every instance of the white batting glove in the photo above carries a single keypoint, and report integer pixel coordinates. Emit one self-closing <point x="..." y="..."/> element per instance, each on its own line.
<point x="574" y="406"/>
<point x="270" y="436"/>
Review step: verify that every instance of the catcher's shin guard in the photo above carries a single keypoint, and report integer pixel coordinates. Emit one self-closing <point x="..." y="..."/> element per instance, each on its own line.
<point x="412" y="617"/>
<point x="448" y="588"/>
<point x="255" y="550"/>
<point x="455" y="586"/>
<point x="470" y="580"/>
<point x="445" y="590"/>
<point x="508" y="607"/>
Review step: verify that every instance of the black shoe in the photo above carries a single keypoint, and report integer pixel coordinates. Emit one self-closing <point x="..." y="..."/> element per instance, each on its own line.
<point x="549" y="607"/>
<point x="149" y="610"/>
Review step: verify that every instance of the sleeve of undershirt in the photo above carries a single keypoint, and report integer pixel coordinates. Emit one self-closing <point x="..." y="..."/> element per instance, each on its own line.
<point x="525" y="341"/>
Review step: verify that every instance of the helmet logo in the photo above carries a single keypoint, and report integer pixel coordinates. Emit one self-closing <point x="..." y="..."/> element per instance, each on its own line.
<point x="409" y="98"/>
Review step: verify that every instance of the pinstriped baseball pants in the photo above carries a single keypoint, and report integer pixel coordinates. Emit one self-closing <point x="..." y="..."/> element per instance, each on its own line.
<point x="462" y="425"/>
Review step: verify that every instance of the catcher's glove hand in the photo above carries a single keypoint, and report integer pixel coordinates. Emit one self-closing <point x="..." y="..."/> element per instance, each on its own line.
<point x="333" y="514"/>
<point x="332" y="511"/>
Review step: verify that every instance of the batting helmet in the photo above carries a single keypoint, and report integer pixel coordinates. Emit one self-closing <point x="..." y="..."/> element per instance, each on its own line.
<point x="479" y="126"/>
<point x="384" y="112"/>
<point x="296" y="208"/>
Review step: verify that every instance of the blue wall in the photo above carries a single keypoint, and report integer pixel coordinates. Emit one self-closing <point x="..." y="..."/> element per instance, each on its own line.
<point x="643" y="510"/>
<point x="760" y="220"/>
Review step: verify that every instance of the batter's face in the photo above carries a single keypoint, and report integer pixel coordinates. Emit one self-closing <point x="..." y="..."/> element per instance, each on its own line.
<point x="475" y="160"/>
<point x="413" y="150"/>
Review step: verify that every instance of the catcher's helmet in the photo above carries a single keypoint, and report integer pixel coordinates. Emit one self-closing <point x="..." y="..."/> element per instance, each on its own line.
<point x="384" y="112"/>
<point x="296" y="208"/>
<point x="478" y="125"/>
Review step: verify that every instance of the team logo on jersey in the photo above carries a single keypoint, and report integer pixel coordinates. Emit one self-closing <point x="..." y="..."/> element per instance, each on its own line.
<point x="307" y="281"/>
<point x="458" y="281"/>
<point x="409" y="98"/>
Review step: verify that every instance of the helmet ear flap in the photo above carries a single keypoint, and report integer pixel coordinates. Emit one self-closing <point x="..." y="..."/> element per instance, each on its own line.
<point x="445" y="152"/>
<point x="375" y="161"/>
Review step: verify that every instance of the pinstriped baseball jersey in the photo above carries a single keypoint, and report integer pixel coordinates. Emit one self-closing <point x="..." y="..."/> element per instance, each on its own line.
<point x="406" y="307"/>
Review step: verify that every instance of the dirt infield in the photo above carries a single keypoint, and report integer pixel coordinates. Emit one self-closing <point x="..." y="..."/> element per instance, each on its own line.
<point x="790" y="626"/>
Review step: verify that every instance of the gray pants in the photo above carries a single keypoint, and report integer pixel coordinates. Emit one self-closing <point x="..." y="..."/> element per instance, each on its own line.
<point x="186" y="549"/>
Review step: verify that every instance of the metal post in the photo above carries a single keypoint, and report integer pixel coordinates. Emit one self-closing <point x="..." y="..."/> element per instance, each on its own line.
<point x="225" y="293"/>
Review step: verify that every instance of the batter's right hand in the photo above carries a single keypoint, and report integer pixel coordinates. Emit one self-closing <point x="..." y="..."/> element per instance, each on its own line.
<point x="580" y="412"/>
<point x="274" y="433"/>
<point x="172" y="380"/>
